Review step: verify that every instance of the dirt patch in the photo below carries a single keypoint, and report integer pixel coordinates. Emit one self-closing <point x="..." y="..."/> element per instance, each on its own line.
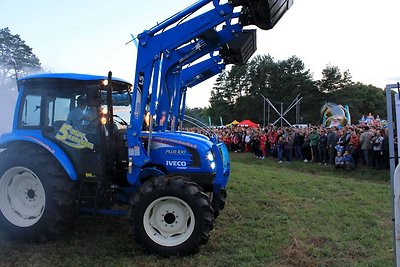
<point x="296" y="255"/>
<point x="317" y="241"/>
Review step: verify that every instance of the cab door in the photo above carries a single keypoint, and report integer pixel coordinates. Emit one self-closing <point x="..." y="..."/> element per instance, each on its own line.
<point x="82" y="144"/>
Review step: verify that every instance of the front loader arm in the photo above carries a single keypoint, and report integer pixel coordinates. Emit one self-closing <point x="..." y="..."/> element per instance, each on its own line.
<point x="152" y="48"/>
<point x="176" y="42"/>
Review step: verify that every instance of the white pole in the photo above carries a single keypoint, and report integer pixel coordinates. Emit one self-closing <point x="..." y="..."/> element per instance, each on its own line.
<point x="394" y="174"/>
<point x="264" y="113"/>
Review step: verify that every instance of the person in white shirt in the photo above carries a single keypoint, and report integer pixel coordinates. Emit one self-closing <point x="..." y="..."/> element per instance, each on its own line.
<point x="76" y="115"/>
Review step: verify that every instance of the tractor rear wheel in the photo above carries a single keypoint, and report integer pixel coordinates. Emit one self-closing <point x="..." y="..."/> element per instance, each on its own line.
<point x="171" y="216"/>
<point x="36" y="196"/>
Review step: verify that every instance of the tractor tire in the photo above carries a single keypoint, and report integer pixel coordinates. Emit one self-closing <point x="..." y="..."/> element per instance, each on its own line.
<point x="218" y="201"/>
<point x="171" y="216"/>
<point x="36" y="195"/>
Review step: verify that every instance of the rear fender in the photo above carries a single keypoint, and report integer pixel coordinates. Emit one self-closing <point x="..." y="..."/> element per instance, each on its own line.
<point x="20" y="139"/>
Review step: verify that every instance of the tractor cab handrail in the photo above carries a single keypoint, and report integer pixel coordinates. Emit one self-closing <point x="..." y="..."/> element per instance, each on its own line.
<point x="200" y="125"/>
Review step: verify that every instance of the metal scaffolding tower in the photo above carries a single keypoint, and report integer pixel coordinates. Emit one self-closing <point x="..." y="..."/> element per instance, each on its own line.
<point x="295" y="103"/>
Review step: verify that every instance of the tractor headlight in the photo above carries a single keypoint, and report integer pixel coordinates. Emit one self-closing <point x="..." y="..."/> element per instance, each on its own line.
<point x="212" y="165"/>
<point x="210" y="156"/>
<point x="103" y="113"/>
<point x="103" y="120"/>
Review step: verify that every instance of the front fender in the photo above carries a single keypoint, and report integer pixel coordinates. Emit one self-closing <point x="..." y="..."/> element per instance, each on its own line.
<point x="223" y="166"/>
<point x="36" y="138"/>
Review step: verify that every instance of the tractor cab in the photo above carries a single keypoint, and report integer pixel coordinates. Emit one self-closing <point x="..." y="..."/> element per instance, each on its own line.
<point x="71" y="111"/>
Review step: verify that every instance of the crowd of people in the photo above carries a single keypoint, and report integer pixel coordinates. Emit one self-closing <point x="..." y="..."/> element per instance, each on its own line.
<point x="344" y="147"/>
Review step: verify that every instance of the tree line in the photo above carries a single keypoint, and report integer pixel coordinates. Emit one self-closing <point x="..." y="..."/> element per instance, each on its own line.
<point x="16" y="60"/>
<point x="238" y="93"/>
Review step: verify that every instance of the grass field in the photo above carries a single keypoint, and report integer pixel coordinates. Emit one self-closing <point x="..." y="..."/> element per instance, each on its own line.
<point x="298" y="214"/>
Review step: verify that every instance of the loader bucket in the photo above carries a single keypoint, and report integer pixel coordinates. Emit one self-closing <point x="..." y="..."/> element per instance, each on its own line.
<point x="262" y="13"/>
<point x="240" y="49"/>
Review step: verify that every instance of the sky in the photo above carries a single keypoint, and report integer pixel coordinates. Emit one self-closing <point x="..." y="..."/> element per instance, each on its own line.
<point x="90" y="36"/>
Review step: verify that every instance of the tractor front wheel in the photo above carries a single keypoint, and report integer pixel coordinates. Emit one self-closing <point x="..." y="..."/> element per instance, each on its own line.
<point x="218" y="201"/>
<point x="171" y="216"/>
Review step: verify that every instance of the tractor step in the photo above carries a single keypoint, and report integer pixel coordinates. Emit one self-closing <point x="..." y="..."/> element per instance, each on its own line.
<point x="89" y="194"/>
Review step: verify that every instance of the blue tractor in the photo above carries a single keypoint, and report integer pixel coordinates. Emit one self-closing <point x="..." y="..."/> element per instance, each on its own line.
<point x="82" y="143"/>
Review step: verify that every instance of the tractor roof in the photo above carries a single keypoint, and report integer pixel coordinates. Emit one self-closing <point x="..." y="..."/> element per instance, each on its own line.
<point x="69" y="76"/>
<point x="71" y="80"/>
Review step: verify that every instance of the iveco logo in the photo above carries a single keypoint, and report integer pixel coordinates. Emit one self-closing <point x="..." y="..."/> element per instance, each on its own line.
<point x="176" y="163"/>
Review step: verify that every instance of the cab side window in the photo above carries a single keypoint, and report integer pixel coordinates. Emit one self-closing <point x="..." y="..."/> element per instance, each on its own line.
<point x="30" y="116"/>
<point x="58" y="109"/>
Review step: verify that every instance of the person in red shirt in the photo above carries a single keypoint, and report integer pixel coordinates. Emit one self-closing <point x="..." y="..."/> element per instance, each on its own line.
<point x="263" y="140"/>
<point x="227" y="140"/>
<point x="272" y="140"/>
<point x="354" y="144"/>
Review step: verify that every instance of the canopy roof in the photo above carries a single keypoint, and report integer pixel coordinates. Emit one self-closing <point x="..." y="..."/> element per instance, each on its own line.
<point x="248" y="123"/>
<point x="235" y="122"/>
